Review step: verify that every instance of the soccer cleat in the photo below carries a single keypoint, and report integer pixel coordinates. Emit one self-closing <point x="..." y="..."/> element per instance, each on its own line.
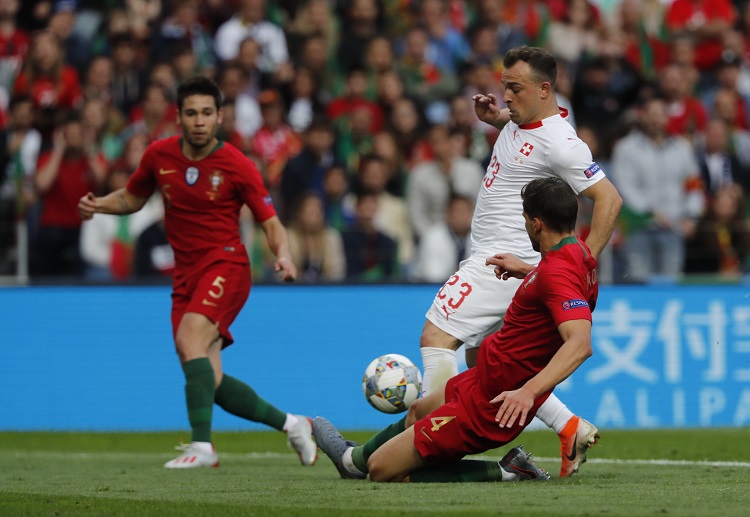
<point x="576" y="438"/>
<point x="520" y="463"/>
<point x="299" y="438"/>
<point x="192" y="457"/>
<point x="334" y="445"/>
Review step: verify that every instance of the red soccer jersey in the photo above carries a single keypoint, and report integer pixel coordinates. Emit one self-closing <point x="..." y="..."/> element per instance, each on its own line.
<point x="563" y="287"/>
<point x="73" y="181"/>
<point x="202" y="200"/>
<point x="685" y="13"/>
<point x="51" y="92"/>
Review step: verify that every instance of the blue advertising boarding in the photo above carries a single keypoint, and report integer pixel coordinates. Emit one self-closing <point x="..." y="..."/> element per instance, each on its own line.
<point x="102" y="358"/>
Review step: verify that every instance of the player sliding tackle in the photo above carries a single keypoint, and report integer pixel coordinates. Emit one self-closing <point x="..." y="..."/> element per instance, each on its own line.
<point x="204" y="183"/>
<point x="535" y="142"/>
<point x="546" y="336"/>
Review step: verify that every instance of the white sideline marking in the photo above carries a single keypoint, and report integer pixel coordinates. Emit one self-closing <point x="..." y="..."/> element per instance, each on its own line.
<point x="280" y="455"/>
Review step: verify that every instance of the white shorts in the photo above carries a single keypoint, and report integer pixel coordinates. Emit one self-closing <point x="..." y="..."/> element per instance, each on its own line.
<point x="472" y="303"/>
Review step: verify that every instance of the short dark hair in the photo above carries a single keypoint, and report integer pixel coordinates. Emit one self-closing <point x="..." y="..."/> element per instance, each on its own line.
<point x="541" y="61"/>
<point x="553" y="201"/>
<point x="198" y="85"/>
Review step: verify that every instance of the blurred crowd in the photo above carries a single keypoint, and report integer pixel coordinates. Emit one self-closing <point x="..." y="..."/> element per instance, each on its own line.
<point x="359" y="116"/>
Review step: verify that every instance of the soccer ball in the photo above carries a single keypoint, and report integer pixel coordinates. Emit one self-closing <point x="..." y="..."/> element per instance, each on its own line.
<point x="391" y="383"/>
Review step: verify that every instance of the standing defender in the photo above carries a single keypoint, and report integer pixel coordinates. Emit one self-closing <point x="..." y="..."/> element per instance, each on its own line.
<point x="204" y="183"/>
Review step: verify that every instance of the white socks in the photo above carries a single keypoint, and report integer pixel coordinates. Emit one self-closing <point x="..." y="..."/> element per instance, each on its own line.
<point x="203" y="447"/>
<point x="439" y="365"/>
<point x="290" y="421"/>
<point x="554" y="413"/>
<point x="348" y="463"/>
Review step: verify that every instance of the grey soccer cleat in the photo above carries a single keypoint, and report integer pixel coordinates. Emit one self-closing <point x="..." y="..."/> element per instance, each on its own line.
<point x="519" y="463"/>
<point x="334" y="446"/>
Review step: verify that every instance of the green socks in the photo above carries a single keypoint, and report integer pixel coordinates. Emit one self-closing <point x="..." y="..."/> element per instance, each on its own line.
<point x="459" y="472"/>
<point x="361" y="454"/>
<point x="237" y="398"/>
<point x="199" y="394"/>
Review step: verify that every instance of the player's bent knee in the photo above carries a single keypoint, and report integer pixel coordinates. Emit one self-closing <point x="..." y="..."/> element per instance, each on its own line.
<point x="378" y="470"/>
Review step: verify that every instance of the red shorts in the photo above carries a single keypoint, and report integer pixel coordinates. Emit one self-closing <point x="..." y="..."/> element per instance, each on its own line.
<point x="465" y="424"/>
<point x="219" y="293"/>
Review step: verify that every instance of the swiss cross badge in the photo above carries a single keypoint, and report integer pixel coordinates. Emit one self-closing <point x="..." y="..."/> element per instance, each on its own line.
<point x="526" y="149"/>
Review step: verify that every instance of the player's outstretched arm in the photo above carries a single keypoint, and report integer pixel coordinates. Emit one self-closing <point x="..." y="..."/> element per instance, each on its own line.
<point x="488" y="111"/>
<point x="119" y="202"/>
<point x="515" y="405"/>
<point x="279" y="244"/>
<point x="607" y="204"/>
<point x="508" y="266"/>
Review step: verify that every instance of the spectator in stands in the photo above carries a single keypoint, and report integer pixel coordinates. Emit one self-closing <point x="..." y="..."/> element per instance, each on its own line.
<point x="423" y="80"/>
<point x="360" y="25"/>
<point x="507" y="36"/>
<point x="304" y="100"/>
<point x="155" y="117"/>
<point x="384" y="146"/>
<point x="644" y="50"/>
<point x="98" y="79"/>
<point x="14" y="45"/>
<point x="446" y="243"/>
<point x="317" y="249"/>
<point x="379" y="59"/>
<point x="314" y="17"/>
<point x="687" y="115"/>
<point x="107" y="242"/>
<point x="721" y="243"/>
<point x="153" y="257"/>
<point x="338" y="201"/>
<point x="250" y="22"/>
<point x="704" y="21"/>
<point x="306" y="170"/>
<point x="181" y="29"/>
<point x="354" y="97"/>
<point x="128" y="79"/>
<point x="659" y="181"/>
<point x="431" y="183"/>
<point x="64" y="175"/>
<point x="235" y="87"/>
<point x="247" y="61"/>
<point x="576" y="34"/>
<point x="52" y="84"/>
<point x="725" y="108"/>
<point x="407" y="127"/>
<point x="448" y="49"/>
<point x="20" y="144"/>
<point x="371" y="256"/>
<point x="727" y="78"/>
<point x="98" y="136"/>
<point x="392" y="217"/>
<point x="275" y="142"/>
<point x="718" y="164"/>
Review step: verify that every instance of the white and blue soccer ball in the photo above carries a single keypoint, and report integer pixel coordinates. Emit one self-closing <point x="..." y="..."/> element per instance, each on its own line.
<point x="392" y="383"/>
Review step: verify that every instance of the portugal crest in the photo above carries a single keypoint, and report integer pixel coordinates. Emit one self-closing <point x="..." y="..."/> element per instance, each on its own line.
<point x="191" y="175"/>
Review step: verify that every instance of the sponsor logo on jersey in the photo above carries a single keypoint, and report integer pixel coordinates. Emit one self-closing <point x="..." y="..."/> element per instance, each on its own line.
<point x="574" y="304"/>
<point x="526" y="149"/>
<point x="593" y="169"/>
<point x="191" y="175"/>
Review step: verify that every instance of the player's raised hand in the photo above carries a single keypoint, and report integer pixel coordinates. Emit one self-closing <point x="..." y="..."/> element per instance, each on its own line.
<point x="488" y="111"/>
<point x="87" y="206"/>
<point x="286" y="269"/>
<point x="508" y="266"/>
<point x="514" y="405"/>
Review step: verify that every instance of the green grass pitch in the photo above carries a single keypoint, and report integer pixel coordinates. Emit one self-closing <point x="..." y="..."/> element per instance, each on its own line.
<point x="630" y="473"/>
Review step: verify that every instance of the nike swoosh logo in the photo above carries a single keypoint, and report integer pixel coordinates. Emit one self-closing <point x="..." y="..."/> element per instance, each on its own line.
<point x="167" y="171"/>
<point x="212" y="304"/>
<point x="573" y="454"/>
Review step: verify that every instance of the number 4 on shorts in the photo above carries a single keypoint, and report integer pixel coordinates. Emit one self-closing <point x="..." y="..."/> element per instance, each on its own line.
<point x="440" y="421"/>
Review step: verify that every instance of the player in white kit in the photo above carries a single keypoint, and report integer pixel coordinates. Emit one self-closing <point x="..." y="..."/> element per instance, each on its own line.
<point x="535" y="141"/>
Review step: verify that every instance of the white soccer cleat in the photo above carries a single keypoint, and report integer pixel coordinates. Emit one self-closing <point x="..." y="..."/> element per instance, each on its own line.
<point x="299" y="438"/>
<point x="575" y="440"/>
<point x="193" y="456"/>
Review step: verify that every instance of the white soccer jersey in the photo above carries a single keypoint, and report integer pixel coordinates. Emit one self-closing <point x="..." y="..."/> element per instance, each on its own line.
<point x="523" y="153"/>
